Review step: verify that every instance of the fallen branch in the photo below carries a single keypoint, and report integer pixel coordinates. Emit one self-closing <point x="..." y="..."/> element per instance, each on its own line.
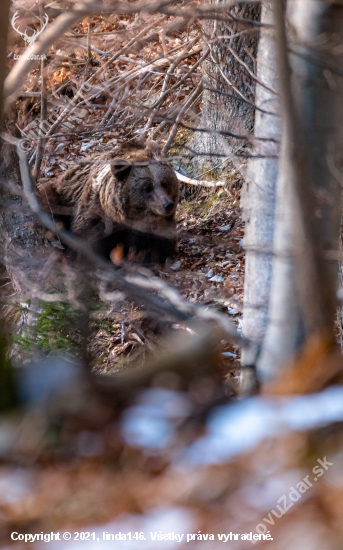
<point x="30" y="94"/>
<point x="190" y="181"/>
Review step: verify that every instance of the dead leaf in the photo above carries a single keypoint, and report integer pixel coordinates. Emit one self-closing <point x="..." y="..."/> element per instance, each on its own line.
<point x="117" y="254"/>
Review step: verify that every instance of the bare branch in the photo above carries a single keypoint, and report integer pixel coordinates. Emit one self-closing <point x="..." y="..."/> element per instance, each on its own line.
<point x="44" y="114"/>
<point x="182" y="112"/>
<point x="190" y="181"/>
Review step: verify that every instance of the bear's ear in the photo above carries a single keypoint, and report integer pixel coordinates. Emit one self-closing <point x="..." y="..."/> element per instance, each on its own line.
<point x="154" y="150"/>
<point x="121" y="169"/>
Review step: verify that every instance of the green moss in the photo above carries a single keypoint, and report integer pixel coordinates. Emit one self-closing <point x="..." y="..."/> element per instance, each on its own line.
<point x="201" y="208"/>
<point x="58" y="327"/>
<point x="107" y="326"/>
<point x="54" y="331"/>
<point x="210" y="203"/>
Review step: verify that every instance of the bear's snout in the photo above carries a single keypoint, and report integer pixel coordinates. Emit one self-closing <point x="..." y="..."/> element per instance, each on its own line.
<point x="168" y="206"/>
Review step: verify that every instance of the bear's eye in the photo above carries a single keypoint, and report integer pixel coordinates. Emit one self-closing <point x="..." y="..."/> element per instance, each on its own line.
<point x="165" y="184"/>
<point x="148" y="187"/>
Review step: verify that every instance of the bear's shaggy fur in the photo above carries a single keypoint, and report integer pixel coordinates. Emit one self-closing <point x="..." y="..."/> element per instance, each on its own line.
<point x="128" y="201"/>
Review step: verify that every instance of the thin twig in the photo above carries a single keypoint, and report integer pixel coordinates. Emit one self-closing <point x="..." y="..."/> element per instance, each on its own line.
<point x="43" y="117"/>
<point x="181" y="113"/>
<point x="164" y="88"/>
<point x="89" y="44"/>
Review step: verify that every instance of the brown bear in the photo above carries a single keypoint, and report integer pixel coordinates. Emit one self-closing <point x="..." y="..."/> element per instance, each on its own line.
<point x="126" y="202"/>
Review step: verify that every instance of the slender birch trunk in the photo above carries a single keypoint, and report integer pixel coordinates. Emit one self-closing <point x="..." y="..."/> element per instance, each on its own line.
<point x="258" y="197"/>
<point x="303" y="298"/>
<point x="284" y="333"/>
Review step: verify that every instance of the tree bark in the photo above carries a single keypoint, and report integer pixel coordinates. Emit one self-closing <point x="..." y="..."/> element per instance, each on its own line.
<point x="303" y="300"/>
<point x="226" y="83"/>
<point x="258" y="194"/>
<point x="285" y="331"/>
<point x="7" y="386"/>
<point x="4" y="19"/>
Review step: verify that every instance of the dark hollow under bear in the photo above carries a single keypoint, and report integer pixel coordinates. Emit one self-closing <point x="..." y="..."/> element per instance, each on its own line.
<point x="128" y="202"/>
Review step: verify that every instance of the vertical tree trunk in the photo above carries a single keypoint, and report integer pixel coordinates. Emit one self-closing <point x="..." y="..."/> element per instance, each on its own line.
<point x="226" y="83"/>
<point x="8" y="159"/>
<point x="303" y="301"/>
<point x="285" y="328"/>
<point x="4" y="19"/>
<point x="7" y="388"/>
<point x="258" y="196"/>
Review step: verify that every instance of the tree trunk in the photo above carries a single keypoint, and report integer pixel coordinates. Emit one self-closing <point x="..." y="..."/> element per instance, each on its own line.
<point x="4" y="19"/>
<point x="9" y="169"/>
<point x="285" y="328"/>
<point x="303" y="298"/>
<point x="258" y="195"/>
<point x="228" y="97"/>
<point x="7" y="386"/>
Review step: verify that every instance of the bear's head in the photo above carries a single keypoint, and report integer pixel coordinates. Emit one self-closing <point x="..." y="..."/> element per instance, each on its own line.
<point x="145" y="190"/>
